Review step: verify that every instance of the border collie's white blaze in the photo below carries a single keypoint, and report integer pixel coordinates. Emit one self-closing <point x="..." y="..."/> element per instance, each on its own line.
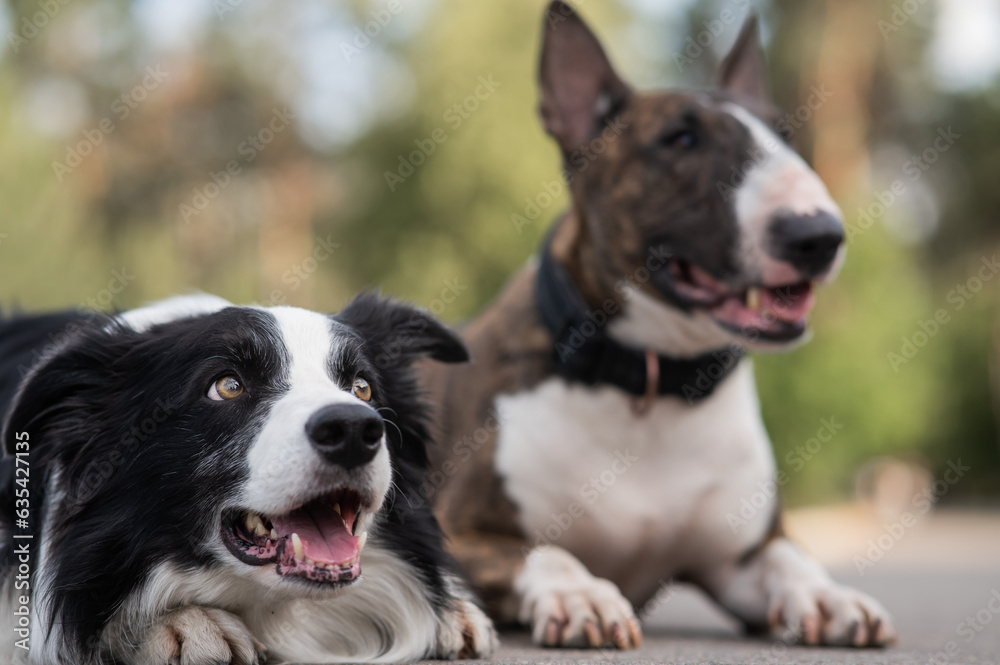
<point x="221" y="483"/>
<point x="283" y="451"/>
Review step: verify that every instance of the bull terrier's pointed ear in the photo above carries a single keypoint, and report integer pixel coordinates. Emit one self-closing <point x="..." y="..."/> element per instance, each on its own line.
<point x="744" y="71"/>
<point x="580" y="89"/>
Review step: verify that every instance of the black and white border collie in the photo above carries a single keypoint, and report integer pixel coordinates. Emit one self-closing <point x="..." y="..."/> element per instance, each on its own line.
<point x="205" y="484"/>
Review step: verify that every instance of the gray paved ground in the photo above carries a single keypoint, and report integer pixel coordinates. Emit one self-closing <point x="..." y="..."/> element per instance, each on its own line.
<point x="939" y="577"/>
<point x="929" y="607"/>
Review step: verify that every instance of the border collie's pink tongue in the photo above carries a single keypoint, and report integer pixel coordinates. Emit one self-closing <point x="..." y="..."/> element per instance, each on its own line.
<point x="325" y="537"/>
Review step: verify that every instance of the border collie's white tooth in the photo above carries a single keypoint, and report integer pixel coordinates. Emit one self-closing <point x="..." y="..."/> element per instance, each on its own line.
<point x="753" y="299"/>
<point x="362" y="539"/>
<point x="300" y="551"/>
<point x="336" y="507"/>
<point x="261" y="529"/>
<point x="252" y="520"/>
<point x="274" y="535"/>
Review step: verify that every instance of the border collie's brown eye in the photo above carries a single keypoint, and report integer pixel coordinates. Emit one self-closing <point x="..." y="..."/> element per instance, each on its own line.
<point x="228" y="387"/>
<point x="362" y="390"/>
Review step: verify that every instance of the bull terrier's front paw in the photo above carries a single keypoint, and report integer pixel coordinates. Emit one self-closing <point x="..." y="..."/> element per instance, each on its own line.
<point x="465" y="632"/>
<point x="566" y="606"/>
<point x="831" y="614"/>
<point x="200" y="636"/>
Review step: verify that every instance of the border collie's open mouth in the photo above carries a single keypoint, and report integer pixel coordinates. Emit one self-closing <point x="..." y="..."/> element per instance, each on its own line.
<point x="774" y="313"/>
<point x="316" y="541"/>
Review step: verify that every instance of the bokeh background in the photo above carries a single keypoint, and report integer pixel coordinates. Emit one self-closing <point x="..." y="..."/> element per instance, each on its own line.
<point x="241" y="147"/>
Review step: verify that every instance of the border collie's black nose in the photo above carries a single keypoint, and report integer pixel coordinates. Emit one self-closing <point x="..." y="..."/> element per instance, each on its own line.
<point x="348" y="435"/>
<point x="808" y="242"/>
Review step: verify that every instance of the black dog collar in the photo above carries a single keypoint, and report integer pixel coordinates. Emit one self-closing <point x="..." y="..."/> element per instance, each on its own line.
<point x="582" y="351"/>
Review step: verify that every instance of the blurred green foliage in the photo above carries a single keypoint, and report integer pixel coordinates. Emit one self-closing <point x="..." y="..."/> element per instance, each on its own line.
<point x="446" y="229"/>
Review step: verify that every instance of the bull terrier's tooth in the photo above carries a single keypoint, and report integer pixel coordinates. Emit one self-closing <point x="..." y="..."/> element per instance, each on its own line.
<point x="753" y="299"/>
<point x="362" y="540"/>
<point x="300" y="551"/>
<point x="336" y="507"/>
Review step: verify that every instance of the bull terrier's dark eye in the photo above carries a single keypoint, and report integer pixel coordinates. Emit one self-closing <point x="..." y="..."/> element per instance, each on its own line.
<point x="228" y="387"/>
<point x="684" y="139"/>
<point x="362" y="390"/>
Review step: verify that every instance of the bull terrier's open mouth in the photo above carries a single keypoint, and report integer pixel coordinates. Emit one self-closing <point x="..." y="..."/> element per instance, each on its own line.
<point x="778" y="312"/>
<point x="316" y="542"/>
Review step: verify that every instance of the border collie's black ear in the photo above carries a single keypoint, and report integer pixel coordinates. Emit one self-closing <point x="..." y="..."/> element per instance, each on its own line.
<point x="40" y="394"/>
<point x="744" y="71"/>
<point x="32" y="401"/>
<point x="580" y="89"/>
<point x="52" y="388"/>
<point x="402" y="332"/>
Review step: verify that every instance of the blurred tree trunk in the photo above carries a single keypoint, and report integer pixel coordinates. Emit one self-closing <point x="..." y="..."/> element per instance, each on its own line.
<point x="848" y="54"/>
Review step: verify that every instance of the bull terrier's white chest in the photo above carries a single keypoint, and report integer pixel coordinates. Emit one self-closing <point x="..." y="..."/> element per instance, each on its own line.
<point x="635" y="498"/>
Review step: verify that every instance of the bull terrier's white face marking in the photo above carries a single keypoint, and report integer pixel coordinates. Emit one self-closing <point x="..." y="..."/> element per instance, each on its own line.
<point x="784" y="237"/>
<point x="777" y="180"/>
<point x="778" y="234"/>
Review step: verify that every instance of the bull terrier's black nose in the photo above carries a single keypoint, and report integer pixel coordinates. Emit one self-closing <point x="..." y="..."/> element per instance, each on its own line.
<point x="808" y="242"/>
<point x="348" y="435"/>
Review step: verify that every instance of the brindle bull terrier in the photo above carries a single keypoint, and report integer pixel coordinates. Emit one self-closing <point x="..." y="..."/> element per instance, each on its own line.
<point x="608" y="431"/>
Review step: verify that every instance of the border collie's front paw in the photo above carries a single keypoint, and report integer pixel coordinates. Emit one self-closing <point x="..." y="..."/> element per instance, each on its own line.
<point x="831" y="614"/>
<point x="568" y="607"/>
<point x="465" y="632"/>
<point x="200" y="636"/>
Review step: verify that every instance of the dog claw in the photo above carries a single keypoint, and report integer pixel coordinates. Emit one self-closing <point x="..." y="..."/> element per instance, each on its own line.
<point x="552" y="633"/>
<point x="593" y="634"/>
<point x="881" y="635"/>
<point x="618" y="637"/>
<point x="810" y="630"/>
<point x="854" y="634"/>
<point x="635" y="632"/>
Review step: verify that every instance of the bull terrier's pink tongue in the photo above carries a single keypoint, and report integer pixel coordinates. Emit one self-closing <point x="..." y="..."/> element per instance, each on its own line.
<point x="790" y="304"/>
<point x="325" y="537"/>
